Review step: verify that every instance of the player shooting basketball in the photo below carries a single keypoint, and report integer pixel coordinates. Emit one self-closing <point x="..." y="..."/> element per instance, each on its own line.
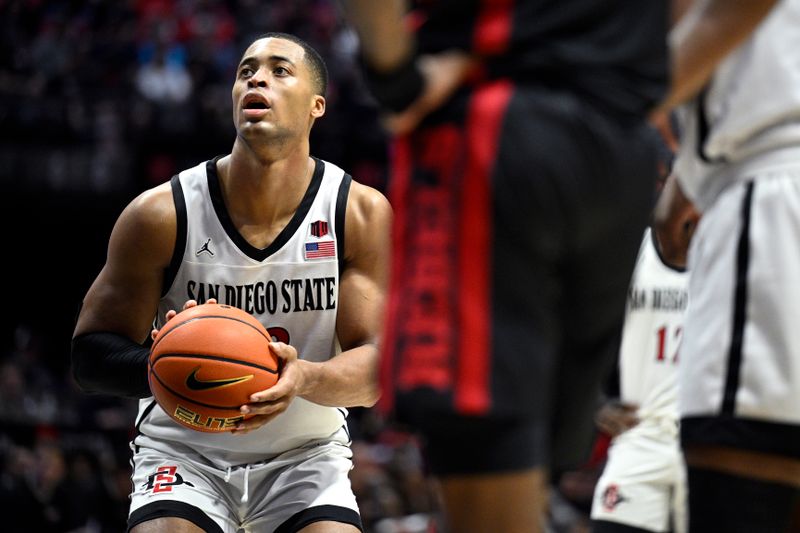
<point x="258" y="212"/>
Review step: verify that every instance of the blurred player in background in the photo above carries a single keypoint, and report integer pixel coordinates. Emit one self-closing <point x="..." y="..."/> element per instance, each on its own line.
<point x="522" y="181"/>
<point x="643" y="485"/>
<point x="287" y="237"/>
<point x="737" y="69"/>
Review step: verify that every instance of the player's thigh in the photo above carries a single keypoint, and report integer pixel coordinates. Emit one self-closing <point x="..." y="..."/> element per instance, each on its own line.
<point x="168" y="490"/>
<point x="723" y="502"/>
<point x="301" y="488"/>
<point x="504" y="501"/>
<point x="568" y="230"/>
<point x="167" y="525"/>
<point x="330" y="527"/>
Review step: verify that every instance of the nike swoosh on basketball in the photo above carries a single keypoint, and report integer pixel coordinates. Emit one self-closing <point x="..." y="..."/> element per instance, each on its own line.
<point x="195" y="384"/>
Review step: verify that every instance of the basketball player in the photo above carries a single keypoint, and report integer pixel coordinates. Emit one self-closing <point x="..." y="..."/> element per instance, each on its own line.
<point x="287" y="237"/>
<point x="737" y="67"/>
<point x="642" y="487"/>
<point x="522" y="181"/>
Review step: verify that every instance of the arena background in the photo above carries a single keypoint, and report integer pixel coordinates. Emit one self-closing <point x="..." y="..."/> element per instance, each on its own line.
<point x="100" y="100"/>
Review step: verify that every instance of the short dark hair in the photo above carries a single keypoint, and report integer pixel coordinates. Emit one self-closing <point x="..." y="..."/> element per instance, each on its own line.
<point x="319" y="72"/>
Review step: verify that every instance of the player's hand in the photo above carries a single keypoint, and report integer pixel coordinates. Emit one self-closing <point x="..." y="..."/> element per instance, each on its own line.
<point x="660" y="120"/>
<point x="268" y="404"/>
<point x="616" y="417"/>
<point x="443" y="73"/>
<point x="171" y="313"/>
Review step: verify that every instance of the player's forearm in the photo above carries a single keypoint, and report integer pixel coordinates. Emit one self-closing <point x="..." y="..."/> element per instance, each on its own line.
<point x="386" y="42"/>
<point x="706" y="34"/>
<point x="110" y="363"/>
<point x="348" y="380"/>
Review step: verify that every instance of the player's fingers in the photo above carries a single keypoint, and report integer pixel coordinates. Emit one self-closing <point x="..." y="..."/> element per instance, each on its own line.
<point x="154" y="334"/>
<point x="255" y="422"/>
<point x="283" y="350"/>
<point x="189" y="304"/>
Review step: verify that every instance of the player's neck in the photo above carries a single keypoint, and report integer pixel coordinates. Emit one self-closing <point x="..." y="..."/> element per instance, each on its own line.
<point x="261" y="190"/>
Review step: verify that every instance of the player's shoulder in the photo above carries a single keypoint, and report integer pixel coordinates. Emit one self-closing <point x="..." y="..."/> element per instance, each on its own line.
<point x="368" y="221"/>
<point x="155" y="205"/>
<point x="368" y="201"/>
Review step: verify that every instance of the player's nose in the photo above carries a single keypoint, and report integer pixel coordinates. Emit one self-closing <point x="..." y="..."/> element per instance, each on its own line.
<point x="259" y="79"/>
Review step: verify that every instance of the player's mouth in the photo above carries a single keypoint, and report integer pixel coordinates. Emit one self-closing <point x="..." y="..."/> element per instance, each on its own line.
<point x="255" y="105"/>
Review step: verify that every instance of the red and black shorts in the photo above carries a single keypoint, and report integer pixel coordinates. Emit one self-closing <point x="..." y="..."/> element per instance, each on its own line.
<point x="518" y="215"/>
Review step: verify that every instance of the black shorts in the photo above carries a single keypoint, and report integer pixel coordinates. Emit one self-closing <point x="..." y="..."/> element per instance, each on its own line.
<point x="518" y="215"/>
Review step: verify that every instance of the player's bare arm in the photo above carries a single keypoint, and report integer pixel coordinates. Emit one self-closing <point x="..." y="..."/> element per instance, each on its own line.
<point x="707" y="32"/>
<point x="118" y="309"/>
<point x="674" y="220"/>
<point x="395" y="74"/>
<point x="351" y="378"/>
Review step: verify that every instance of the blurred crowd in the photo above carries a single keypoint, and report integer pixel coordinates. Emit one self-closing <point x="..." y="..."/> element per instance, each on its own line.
<point x="104" y="96"/>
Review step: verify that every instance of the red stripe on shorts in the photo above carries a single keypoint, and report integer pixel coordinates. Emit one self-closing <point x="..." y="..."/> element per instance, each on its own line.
<point x="483" y="128"/>
<point x="400" y="174"/>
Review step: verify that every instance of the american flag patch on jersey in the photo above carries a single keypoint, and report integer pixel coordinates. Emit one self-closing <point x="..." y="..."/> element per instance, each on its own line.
<point x="320" y="250"/>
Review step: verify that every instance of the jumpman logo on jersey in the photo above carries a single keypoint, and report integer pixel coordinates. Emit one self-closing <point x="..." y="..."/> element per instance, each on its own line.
<point x="205" y="248"/>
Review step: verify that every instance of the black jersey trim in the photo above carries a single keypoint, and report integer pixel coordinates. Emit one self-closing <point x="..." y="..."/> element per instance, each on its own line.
<point x="260" y="254"/>
<point x="176" y="509"/>
<point x="144" y="415"/>
<point x="341" y="213"/>
<point x="180" y="236"/>
<point x="739" y="307"/>
<point x="319" y="513"/>
<point x="703" y="129"/>
<point x="743" y="433"/>
<point x="657" y="248"/>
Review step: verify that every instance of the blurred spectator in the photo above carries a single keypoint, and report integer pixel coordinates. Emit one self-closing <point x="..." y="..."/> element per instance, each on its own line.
<point x="164" y="81"/>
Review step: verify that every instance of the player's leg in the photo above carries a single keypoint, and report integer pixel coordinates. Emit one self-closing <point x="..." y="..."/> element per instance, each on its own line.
<point x="487" y="503"/>
<point x="170" y="524"/>
<point x="719" y="501"/>
<point x="171" y="494"/>
<point x="306" y="489"/>
<point x="466" y="358"/>
<point x="330" y="527"/>
<point x="740" y="382"/>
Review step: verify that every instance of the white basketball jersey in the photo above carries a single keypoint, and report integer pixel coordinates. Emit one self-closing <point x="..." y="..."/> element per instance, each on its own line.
<point x="750" y="108"/>
<point x="291" y="287"/>
<point x="652" y="333"/>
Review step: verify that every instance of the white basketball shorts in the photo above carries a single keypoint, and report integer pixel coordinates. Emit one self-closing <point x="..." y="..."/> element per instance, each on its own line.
<point x="286" y="493"/>
<point x="644" y="480"/>
<point x="739" y="372"/>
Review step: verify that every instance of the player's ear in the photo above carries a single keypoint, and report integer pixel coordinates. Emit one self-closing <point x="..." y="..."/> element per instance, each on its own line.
<point x="317" y="106"/>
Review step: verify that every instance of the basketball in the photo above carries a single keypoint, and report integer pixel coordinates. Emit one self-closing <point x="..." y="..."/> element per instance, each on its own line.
<point x="206" y="362"/>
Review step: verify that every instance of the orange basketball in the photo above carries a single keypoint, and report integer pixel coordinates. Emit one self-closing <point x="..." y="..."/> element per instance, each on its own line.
<point x="206" y="362"/>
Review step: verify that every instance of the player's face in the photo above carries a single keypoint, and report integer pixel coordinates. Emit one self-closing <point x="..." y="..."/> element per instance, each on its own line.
<point x="274" y="93"/>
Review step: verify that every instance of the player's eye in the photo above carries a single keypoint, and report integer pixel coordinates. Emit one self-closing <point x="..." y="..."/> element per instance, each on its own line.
<point x="281" y="71"/>
<point x="246" y="72"/>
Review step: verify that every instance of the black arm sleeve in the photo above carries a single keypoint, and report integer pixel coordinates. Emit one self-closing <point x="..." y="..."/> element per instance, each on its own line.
<point x="395" y="90"/>
<point x="110" y="363"/>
